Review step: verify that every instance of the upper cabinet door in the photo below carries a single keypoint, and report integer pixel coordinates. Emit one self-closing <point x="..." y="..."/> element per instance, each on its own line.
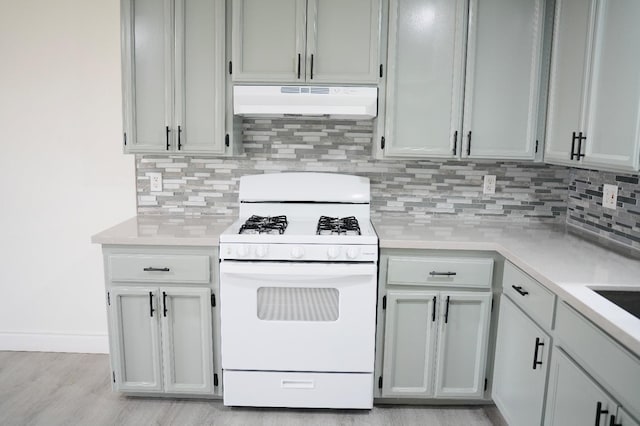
<point x="200" y="76"/>
<point x="503" y="77"/>
<point x="268" y="40"/>
<point x="147" y="40"/>
<point x="425" y="77"/>
<point x="613" y="132"/>
<point x="569" y="77"/>
<point x="343" y="41"/>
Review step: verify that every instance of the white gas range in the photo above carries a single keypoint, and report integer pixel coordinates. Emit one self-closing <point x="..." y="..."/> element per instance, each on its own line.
<point x="298" y="283"/>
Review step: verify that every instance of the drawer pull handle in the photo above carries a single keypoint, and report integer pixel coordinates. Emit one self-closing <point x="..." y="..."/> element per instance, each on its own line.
<point x="445" y="274"/>
<point x="520" y="290"/>
<point x="600" y="412"/>
<point x="535" y="353"/>
<point x="297" y="384"/>
<point x="151" y="269"/>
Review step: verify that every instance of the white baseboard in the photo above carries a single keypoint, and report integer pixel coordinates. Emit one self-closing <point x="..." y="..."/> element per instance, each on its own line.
<point x="49" y="342"/>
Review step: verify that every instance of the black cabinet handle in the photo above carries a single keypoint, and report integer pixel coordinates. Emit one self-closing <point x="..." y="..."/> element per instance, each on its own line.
<point x="298" y="66"/>
<point x="573" y="145"/>
<point x="600" y="412"/>
<point x="179" y="134"/>
<point x="580" y="139"/>
<point x="612" y="422"/>
<point x="520" y="290"/>
<point x="433" y="313"/>
<point x="469" y="143"/>
<point x="455" y="142"/>
<point x="164" y="304"/>
<point x="446" y="274"/>
<point x="151" y="310"/>
<point x="167" y="135"/>
<point x="152" y="269"/>
<point x="446" y="311"/>
<point x="312" y="66"/>
<point x="535" y="353"/>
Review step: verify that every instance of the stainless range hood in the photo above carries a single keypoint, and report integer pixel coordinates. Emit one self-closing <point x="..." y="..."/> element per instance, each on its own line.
<point x="336" y="102"/>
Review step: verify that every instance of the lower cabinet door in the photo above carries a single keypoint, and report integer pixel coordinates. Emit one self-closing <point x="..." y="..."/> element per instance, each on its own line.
<point x="574" y="399"/>
<point x="518" y="383"/>
<point x="187" y="344"/>
<point x="462" y="344"/>
<point x="410" y="337"/>
<point x="136" y="339"/>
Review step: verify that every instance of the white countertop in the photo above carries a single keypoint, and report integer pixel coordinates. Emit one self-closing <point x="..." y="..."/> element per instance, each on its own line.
<point x="565" y="263"/>
<point x="166" y="230"/>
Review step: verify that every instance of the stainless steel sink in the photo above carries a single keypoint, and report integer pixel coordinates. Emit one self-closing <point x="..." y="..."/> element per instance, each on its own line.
<point x="629" y="300"/>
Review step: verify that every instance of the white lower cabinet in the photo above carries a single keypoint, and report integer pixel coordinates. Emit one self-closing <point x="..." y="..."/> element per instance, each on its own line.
<point x="161" y="310"/>
<point x="574" y="398"/>
<point x="435" y="344"/>
<point x="521" y="365"/>
<point x="163" y="339"/>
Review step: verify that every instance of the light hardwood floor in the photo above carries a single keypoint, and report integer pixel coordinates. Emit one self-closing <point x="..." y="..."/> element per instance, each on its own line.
<point x="73" y="389"/>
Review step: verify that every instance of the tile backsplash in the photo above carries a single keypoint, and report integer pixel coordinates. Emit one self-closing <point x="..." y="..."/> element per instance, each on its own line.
<point x="585" y="208"/>
<point x="421" y="188"/>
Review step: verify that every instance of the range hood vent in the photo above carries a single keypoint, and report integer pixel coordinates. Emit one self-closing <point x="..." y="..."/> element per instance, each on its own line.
<point x="332" y="101"/>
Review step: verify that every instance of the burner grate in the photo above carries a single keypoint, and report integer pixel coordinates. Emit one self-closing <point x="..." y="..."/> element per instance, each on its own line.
<point x="338" y="226"/>
<point x="264" y="225"/>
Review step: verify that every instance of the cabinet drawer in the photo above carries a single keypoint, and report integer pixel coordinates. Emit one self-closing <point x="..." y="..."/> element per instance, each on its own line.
<point x="529" y="294"/>
<point x="440" y="271"/>
<point x="308" y="390"/>
<point x="158" y="268"/>
<point x="611" y="364"/>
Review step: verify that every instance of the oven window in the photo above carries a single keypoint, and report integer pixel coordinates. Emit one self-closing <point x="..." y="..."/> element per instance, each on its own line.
<point x="298" y="304"/>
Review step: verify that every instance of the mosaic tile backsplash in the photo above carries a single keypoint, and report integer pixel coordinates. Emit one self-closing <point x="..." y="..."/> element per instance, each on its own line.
<point x="585" y="208"/>
<point x="421" y="188"/>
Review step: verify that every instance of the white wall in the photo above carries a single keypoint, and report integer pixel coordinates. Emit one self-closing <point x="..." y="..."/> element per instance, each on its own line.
<point x="63" y="176"/>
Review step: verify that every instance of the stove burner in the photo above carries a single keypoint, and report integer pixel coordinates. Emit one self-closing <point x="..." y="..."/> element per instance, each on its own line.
<point x="338" y="226"/>
<point x="264" y="225"/>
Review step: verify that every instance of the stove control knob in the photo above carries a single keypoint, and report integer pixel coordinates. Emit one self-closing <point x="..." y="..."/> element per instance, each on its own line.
<point x="297" y="252"/>
<point x="261" y="251"/>
<point x="333" y="252"/>
<point x="243" y="251"/>
<point x="352" y="252"/>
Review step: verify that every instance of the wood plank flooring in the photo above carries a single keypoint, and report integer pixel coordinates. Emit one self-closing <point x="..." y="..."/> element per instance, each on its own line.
<point x="73" y="389"/>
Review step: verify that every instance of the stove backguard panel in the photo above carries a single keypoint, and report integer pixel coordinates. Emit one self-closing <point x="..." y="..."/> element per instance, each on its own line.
<point x="524" y="191"/>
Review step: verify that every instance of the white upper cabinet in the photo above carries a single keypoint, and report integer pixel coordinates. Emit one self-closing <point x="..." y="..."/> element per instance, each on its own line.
<point x="425" y="78"/>
<point x="433" y="45"/>
<point x="297" y="41"/>
<point x="568" y="78"/>
<point x="173" y="59"/>
<point x="594" y="101"/>
<point x="502" y="78"/>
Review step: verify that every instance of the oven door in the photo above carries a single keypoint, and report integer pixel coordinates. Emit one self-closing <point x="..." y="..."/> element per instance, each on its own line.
<point x="285" y="316"/>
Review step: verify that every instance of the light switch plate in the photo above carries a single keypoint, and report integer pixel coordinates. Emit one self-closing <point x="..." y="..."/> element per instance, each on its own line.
<point x="609" y="196"/>
<point x="489" y="186"/>
<point x="156" y="181"/>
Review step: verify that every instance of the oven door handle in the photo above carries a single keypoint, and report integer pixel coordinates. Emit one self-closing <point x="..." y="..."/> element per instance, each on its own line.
<point x="309" y="271"/>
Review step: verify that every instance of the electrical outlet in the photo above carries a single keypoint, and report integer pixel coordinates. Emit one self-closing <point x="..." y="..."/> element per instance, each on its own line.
<point x="156" y="181"/>
<point x="609" y="196"/>
<point x="489" y="184"/>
